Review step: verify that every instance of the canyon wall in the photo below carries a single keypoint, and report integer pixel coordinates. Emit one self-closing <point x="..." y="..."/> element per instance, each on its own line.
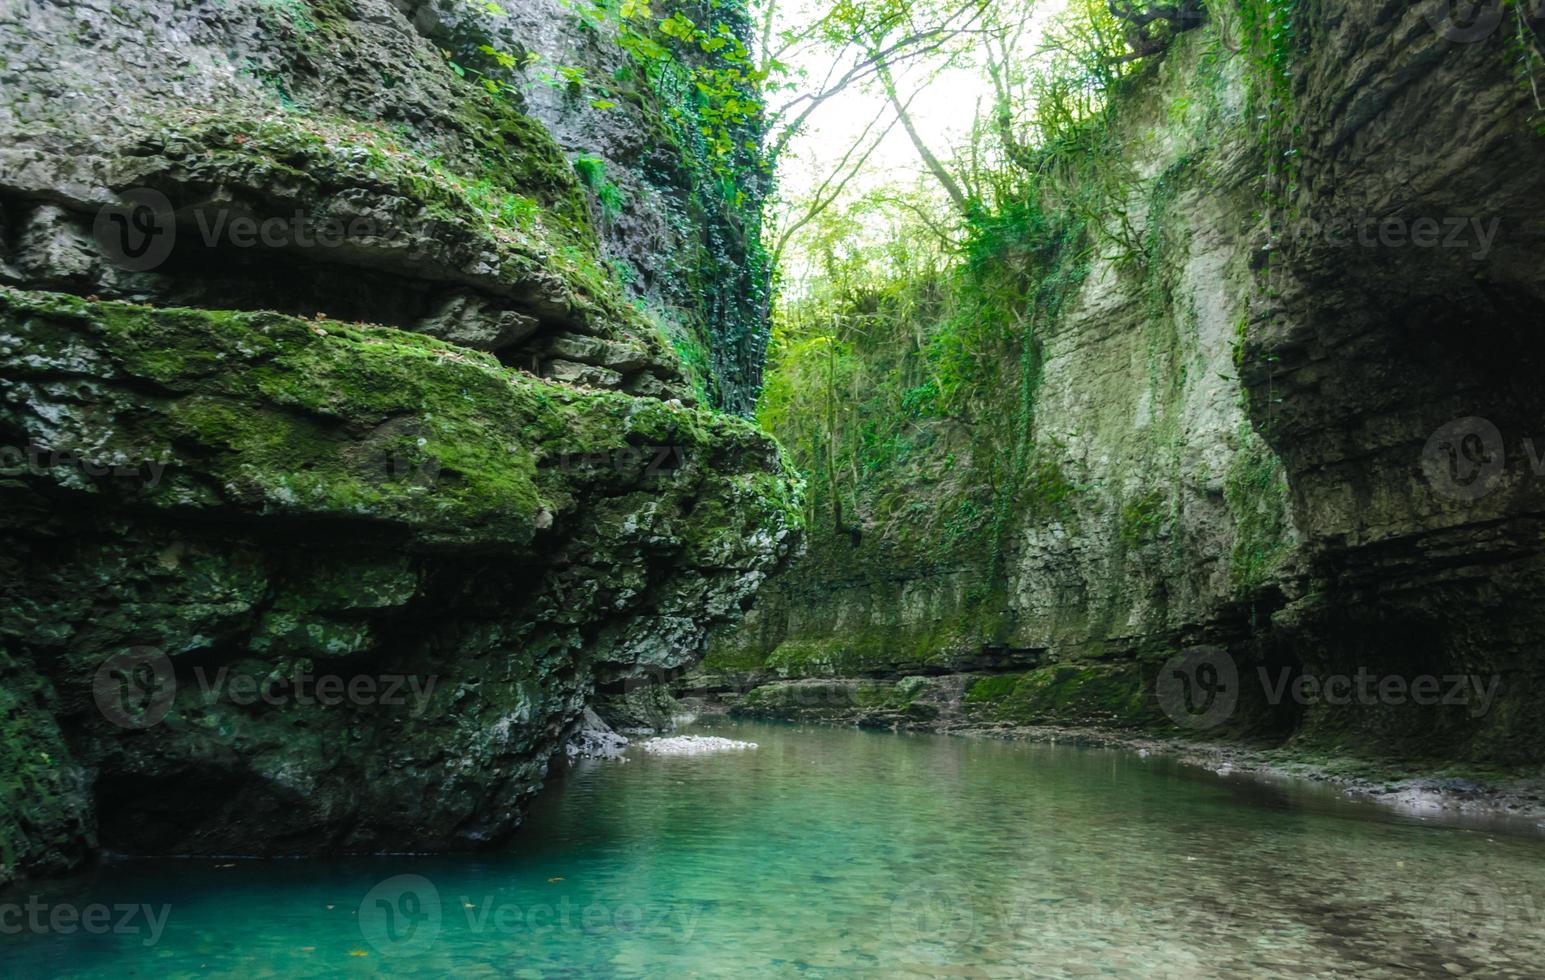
<point x="1273" y="423"/>
<point x="344" y="459"/>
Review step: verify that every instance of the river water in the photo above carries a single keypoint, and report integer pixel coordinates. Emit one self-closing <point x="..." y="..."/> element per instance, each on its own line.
<point x="833" y="853"/>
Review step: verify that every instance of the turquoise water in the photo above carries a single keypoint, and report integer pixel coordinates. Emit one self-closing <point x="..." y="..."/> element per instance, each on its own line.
<point x="831" y="852"/>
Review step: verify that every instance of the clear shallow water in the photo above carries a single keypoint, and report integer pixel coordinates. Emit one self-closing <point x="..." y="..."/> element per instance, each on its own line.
<point x="831" y="852"/>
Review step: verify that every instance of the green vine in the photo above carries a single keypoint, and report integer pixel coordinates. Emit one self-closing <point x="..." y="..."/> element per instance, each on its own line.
<point x="691" y="75"/>
<point x="1526" y="60"/>
<point x="1271" y="43"/>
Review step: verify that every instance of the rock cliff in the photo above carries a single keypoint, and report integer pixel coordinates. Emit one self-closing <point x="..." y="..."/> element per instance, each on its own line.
<point x="1275" y="408"/>
<point x="341" y="465"/>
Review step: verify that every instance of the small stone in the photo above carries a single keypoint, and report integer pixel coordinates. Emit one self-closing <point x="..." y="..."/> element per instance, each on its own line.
<point x="694" y="745"/>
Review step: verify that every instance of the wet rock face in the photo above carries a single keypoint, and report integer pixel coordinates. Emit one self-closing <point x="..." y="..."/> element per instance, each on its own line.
<point x="1311" y="443"/>
<point x="689" y="254"/>
<point x="339" y="469"/>
<point x="306" y="587"/>
<point x="314" y="158"/>
<point x="1397" y="370"/>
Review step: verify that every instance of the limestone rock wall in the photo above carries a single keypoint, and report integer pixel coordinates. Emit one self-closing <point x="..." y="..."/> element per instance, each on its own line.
<point x="313" y="370"/>
<point x="1287" y="435"/>
<point x="1397" y="380"/>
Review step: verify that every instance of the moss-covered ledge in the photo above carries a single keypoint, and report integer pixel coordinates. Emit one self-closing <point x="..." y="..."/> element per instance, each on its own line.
<point x="280" y="498"/>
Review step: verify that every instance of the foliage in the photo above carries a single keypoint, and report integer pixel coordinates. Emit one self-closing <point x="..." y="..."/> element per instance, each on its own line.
<point x="1255" y="489"/>
<point x="903" y="372"/>
<point x="687" y="75"/>
<point x="592" y="172"/>
<point x="906" y="355"/>
<point x="1270" y="41"/>
<point x="711" y="58"/>
<point x="1526" y="55"/>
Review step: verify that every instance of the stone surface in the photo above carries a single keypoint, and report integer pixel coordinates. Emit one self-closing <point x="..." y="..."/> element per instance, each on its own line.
<point x="253" y="503"/>
<point x="694" y="745"/>
<point x="1261" y="436"/>
<point x="277" y="284"/>
<point x="320" y="159"/>
<point x="690" y="254"/>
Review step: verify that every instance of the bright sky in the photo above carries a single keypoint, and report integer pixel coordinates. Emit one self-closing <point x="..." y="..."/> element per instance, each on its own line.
<point x="943" y="110"/>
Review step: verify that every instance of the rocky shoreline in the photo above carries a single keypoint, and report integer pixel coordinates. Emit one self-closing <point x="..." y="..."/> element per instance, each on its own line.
<point x="1441" y="795"/>
<point x="1514" y="802"/>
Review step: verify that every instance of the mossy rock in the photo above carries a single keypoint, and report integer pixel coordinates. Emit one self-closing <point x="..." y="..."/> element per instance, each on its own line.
<point x="1115" y="695"/>
<point x="305" y="497"/>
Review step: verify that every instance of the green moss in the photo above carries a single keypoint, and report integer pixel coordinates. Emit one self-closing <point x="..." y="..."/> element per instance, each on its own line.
<point x="1048" y="491"/>
<point x="1103" y="694"/>
<point x="507" y="183"/>
<point x="1256" y="491"/>
<point x="866" y="702"/>
<point x="727" y="657"/>
<point x="1142" y="517"/>
<point x="294" y="14"/>
<point x="592" y="172"/>
<point x="43" y="804"/>
<point x="989" y="690"/>
<point x="313" y="417"/>
<point x="885" y="649"/>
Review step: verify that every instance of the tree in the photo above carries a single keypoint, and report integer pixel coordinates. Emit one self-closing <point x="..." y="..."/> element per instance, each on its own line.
<point x="1151" y="26"/>
<point x="863" y="39"/>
